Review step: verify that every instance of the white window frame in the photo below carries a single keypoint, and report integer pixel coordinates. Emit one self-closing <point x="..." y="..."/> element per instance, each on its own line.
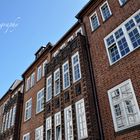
<point x="63" y="46"/>
<point x="80" y="30"/>
<point x="26" y="136"/>
<point x="49" y="126"/>
<point x="66" y="72"/>
<point x="41" y="133"/>
<point x="44" y="64"/>
<point x="126" y="37"/>
<point x="70" y="38"/>
<point x="32" y="79"/>
<point x="28" y="83"/>
<point x="78" y="116"/>
<point x="121" y="101"/>
<point x="58" y="70"/>
<point x="106" y="2"/>
<point x="28" y="108"/>
<point x="55" y="53"/>
<point x="3" y="123"/>
<point x="10" y="118"/>
<point x="58" y="123"/>
<point x="47" y="87"/>
<point x="90" y="18"/>
<point x="39" y="73"/>
<point x="74" y="79"/>
<point x="6" y="121"/>
<point x="40" y="101"/>
<point x="121" y="2"/>
<point x="13" y="115"/>
<point x="68" y="123"/>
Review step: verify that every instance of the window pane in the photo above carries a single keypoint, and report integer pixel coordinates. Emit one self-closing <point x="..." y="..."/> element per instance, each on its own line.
<point x="114" y="54"/>
<point x="105" y="11"/>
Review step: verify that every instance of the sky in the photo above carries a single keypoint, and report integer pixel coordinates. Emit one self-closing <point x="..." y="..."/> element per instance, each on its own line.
<point x="25" y="25"/>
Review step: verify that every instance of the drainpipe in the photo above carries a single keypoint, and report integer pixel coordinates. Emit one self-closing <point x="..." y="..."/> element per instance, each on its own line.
<point x="95" y="97"/>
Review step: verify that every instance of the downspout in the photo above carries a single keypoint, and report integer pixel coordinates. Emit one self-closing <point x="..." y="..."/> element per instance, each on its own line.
<point x="93" y="83"/>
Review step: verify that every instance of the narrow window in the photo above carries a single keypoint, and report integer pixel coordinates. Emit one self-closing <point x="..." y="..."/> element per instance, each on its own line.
<point x="26" y="136"/>
<point x="76" y="67"/>
<point x="49" y="88"/>
<point x="49" y="128"/>
<point x="81" y="119"/>
<point x="70" y="39"/>
<point x="39" y="133"/>
<point x="57" y="82"/>
<point x="124" y="107"/>
<point x="28" y="109"/>
<point x="32" y="79"/>
<point x="122" y="2"/>
<point x="44" y="65"/>
<point x="40" y="101"/>
<point x="68" y="123"/>
<point x="79" y="31"/>
<point x="39" y="73"/>
<point x="66" y="76"/>
<point x="13" y="115"/>
<point x="28" y="83"/>
<point x="94" y="21"/>
<point x="58" y="126"/>
<point x="10" y="117"/>
<point x="105" y="11"/>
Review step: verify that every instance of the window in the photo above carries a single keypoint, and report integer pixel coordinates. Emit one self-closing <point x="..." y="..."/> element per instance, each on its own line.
<point x="39" y="73"/>
<point x="122" y="2"/>
<point x="28" y="109"/>
<point x="79" y="31"/>
<point x="70" y="39"/>
<point x="81" y="119"/>
<point x="40" y="101"/>
<point x="66" y="76"/>
<point x="123" y="39"/>
<point x="6" y="121"/>
<point x="105" y="11"/>
<point x="39" y="133"/>
<point x="94" y="21"/>
<point x="26" y="136"/>
<point x="58" y="126"/>
<point x="124" y="107"/>
<point x="49" y="88"/>
<point x="49" y="128"/>
<point x="28" y="83"/>
<point x="32" y="79"/>
<point x="68" y="123"/>
<point x="55" y="53"/>
<point x="3" y="123"/>
<point x="10" y="117"/>
<point x="13" y="115"/>
<point x="76" y="67"/>
<point x="62" y="46"/>
<point x="57" y="82"/>
<point x="44" y="64"/>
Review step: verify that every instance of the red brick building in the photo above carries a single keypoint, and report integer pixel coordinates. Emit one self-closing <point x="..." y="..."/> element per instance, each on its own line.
<point x="113" y="32"/>
<point x="87" y="85"/>
<point x="10" y="112"/>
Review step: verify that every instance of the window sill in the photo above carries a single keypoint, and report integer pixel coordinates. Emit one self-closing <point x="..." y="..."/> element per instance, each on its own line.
<point x="93" y="30"/>
<point x="128" y="129"/>
<point x="39" y="112"/>
<point x="105" y="20"/>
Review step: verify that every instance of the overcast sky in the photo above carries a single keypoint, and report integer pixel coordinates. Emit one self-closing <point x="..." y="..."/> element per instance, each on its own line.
<point x="25" y="25"/>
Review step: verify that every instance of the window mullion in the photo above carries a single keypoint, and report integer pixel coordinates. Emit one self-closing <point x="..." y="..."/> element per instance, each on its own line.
<point x="127" y="38"/>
